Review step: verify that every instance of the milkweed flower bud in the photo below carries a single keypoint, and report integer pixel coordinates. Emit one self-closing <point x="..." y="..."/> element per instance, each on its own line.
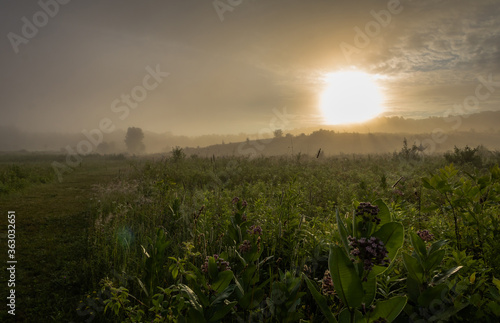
<point x="368" y="211"/>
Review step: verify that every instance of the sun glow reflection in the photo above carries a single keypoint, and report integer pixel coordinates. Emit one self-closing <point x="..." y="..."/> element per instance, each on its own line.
<point x="350" y="97"/>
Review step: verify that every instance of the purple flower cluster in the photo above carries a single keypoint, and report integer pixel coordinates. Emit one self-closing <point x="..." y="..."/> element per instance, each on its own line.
<point x="245" y="246"/>
<point x="368" y="211"/>
<point x="425" y="235"/>
<point x="327" y="284"/>
<point x="370" y="251"/>
<point x="237" y="199"/>
<point x="222" y="265"/>
<point x="255" y="229"/>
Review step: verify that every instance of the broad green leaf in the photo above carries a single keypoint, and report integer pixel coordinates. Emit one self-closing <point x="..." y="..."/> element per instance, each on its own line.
<point x="223" y="280"/>
<point x="195" y="316"/>
<point x="369" y="288"/>
<point x="239" y="289"/>
<point x="432" y="293"/>
<point x="427" y="184"/>
<point x="419" y="246"/>
<point x="192" y="298"/>
<point x="384" y="214"/>
<point x="240" y="257"/>
<point x="415" y="270"/>
<point x="223" y="295"/>
<point x="493" y="306"/>
<point x="413" y="288"/>
<point x="221" y="312"/>
<point x="321" y="301"/>
<point x="212" y="268"/>
<point x="392" y="234"/>
<point x="343" y="232"/>
<point x="496" y="282"/>
<point x="293" y="285"/>
<point x="252" y="298"/>
<point x="438" y="279"/>
<point x="345" y="316"/>
<point x="174" y="270"/>
<point x="437" y="245"/>
<point x="202" y="297"/>
<point x="388" y="309"/>
<point x="345" y="278"/>
<point x="472" y="278"/>
<point x="433" y="260"/>
<point x="250" y="276"/>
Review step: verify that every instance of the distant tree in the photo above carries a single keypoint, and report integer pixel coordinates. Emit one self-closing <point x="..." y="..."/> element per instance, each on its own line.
<point x="178" y="154"/>
<point x="133" y="140"/>
<point x="278" y="133"/>
<point x="463" y="156"/>
<point x="411" y="153"/>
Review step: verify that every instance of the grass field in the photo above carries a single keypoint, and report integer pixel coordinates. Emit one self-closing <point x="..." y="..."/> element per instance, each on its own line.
<point x="235" y="239"/>
<point x="51" y="232"/>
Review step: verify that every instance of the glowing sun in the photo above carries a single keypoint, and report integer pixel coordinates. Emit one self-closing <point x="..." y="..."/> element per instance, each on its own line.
<point x="350" y="97"/>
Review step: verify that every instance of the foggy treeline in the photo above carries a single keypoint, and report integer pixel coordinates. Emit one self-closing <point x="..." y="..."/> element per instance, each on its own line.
<point x="384" y="134"/>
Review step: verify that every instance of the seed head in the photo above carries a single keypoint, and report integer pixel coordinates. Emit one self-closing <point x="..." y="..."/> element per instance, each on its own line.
<point x="425" y="235"/>
<point x="255" y="229"/>
<point x="327" y="284"/>
<point x="245" y="246"/>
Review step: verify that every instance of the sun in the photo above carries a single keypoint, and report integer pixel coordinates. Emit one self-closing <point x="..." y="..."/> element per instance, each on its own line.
<point x="350" y="97"/>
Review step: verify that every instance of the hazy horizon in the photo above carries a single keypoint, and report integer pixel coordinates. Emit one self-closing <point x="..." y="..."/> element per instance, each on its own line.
<point x="196" y="68"/>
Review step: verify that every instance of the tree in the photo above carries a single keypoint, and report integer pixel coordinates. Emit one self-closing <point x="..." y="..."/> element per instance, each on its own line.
<point x="133" y="140"/>
<point x="278" y="133"/>
<point x="178" y="154"/>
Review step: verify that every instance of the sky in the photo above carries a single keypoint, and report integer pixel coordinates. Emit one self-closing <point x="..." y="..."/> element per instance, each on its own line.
<point x="195" y="67"/>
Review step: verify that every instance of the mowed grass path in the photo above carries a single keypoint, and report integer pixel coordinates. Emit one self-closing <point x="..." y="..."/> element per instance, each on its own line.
<point x="51" y="229"/>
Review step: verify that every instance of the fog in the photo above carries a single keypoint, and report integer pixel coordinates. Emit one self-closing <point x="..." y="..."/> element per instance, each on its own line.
<point x="381" y="135"/>
<point x="191" y="68"/>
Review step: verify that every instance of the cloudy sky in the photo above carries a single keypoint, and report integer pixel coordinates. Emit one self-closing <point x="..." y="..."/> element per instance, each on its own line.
<point x="233" y="65"/>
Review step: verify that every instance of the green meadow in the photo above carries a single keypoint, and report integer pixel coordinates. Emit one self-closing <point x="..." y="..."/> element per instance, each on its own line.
<point x="350" y="238"/>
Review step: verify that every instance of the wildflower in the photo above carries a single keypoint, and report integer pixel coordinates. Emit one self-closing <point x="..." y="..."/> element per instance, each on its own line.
<point x="243" y="217"/>
<point x="368" y="211"/>
<point x="222" y="265"/>
<point x="327" y="284"/>
<point x="244" y="203"/>
<point x="370" y="252"/>
<point x="235" y="200"/>
<point x="425" y="235"/>
<point x="245" y="246"/>
<point x="255" y="229"/>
